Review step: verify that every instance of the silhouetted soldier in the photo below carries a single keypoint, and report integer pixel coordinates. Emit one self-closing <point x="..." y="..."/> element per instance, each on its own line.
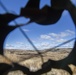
<point x="44" y="16"/>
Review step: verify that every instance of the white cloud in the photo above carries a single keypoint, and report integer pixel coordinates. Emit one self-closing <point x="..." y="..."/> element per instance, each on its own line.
<point x="56" y="38"/>
<point x="45" y="44"/>
<point x="46" y="41"/>
<point x="68" y="45"/>
<point x="9" y="46"/>
<point x="63" y="34"/>
<point x="19" y="43"/>
<point x="71" y="32"/>
<point x="47" y="37"/>
<point x="26" y="30"/>
<point x="60" y="40"/>
<point x="67" y="33"/>
<point x="54" y="35"/>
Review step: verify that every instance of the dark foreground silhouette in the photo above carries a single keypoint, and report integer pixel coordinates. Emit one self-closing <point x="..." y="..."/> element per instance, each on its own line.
<point x="45" y="16"/>
<point x="4" y="28"/>
<point x="4" y="68"/>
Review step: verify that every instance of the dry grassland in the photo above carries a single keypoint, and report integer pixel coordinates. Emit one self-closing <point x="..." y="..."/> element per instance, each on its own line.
<point x="33" y="61"/>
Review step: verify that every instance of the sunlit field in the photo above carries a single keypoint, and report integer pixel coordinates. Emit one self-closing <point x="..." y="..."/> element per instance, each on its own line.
<point x="33" y="61"/>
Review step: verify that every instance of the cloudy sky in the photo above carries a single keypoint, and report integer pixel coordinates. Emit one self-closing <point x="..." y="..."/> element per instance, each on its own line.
<point x="43" y="37"/>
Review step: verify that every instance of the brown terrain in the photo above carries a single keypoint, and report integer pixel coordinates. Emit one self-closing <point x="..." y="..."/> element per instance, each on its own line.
<point x="33" y="61"/>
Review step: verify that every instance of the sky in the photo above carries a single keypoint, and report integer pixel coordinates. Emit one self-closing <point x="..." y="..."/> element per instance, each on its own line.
<point x="43" y="37"/>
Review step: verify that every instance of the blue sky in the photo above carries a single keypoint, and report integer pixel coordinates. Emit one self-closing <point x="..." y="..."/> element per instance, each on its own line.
<point x="43" y="37"/>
